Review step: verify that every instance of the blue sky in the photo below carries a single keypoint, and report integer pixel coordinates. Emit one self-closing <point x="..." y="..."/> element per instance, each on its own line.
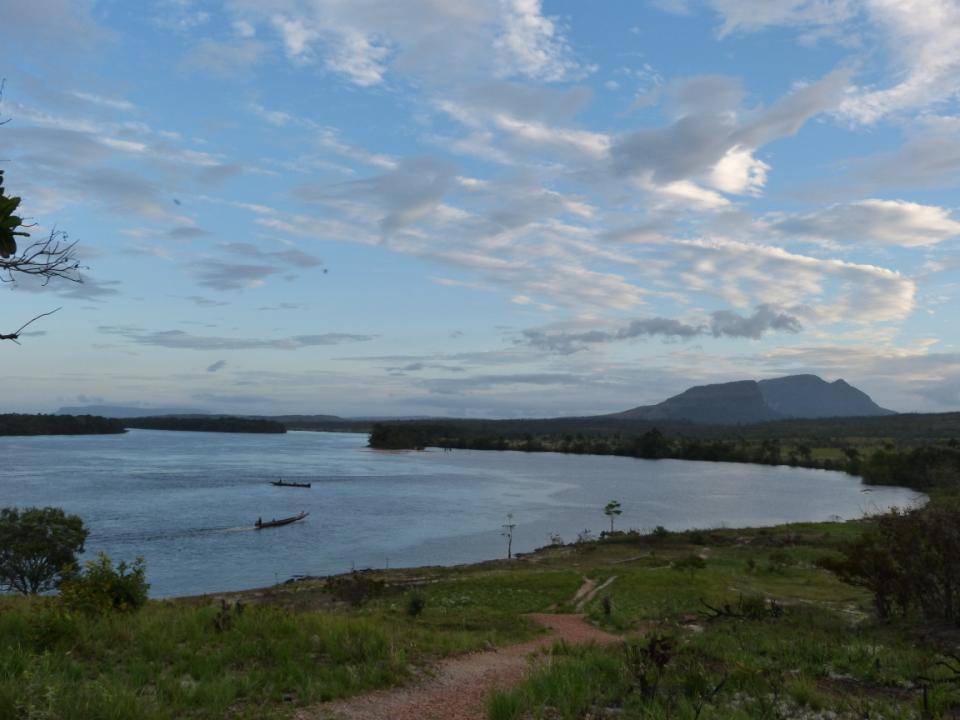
<point x="483" y="207"/>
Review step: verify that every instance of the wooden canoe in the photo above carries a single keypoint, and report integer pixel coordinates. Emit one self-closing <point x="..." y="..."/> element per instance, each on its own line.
<point x="281" y="483"/>
<point x="260" y="523"/>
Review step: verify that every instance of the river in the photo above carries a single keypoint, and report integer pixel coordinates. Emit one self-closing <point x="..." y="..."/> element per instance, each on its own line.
<point x="187" y="502"/>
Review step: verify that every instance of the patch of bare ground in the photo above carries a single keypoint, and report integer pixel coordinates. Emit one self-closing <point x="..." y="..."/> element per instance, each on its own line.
<point x="458" y="688"/>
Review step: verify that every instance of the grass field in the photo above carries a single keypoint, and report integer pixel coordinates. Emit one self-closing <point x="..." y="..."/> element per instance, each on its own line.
<point x="299" y="644"/>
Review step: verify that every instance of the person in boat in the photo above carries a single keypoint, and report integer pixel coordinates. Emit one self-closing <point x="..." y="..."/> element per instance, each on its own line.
<point x="259" y="521"/>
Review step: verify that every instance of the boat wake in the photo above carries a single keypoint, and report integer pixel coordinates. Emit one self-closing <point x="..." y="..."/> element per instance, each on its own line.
<point x="155" y="535"/>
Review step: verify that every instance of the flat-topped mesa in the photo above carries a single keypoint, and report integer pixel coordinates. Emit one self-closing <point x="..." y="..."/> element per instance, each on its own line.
<point x="750" y="401"/>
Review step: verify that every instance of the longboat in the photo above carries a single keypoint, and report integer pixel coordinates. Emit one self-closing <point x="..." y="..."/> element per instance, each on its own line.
<point x="282" y="483"/>
<point x="260" y="524"/>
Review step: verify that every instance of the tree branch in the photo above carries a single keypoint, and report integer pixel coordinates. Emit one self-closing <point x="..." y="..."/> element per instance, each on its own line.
<point x="54" y="256"/>
<point x="16" y="334"/>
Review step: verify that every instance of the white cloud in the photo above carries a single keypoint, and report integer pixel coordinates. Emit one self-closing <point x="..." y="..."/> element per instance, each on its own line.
<point x="884" y="222"/>
<point x="753" y="15"/>
<point x="739" y="173"/>
<point x="921" y="65"/>
<point x="531" y="44"/>
<point x="107" y="102"/>
<point x="366" y="40"/>
<point x="923" y="36"/>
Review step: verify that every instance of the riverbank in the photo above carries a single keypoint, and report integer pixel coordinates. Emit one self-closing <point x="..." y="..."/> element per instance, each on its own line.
<point x="285" y="651"/>
<point x="920" y="452"/>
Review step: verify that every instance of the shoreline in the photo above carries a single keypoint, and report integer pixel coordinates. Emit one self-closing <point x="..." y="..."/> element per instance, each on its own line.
<point x="532" y="557"/>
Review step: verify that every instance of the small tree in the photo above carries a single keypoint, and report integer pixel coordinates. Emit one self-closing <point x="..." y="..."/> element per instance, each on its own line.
<point x="508" y="527"/>
<point x="611" y="510"/>
<point x="38" y="546"/>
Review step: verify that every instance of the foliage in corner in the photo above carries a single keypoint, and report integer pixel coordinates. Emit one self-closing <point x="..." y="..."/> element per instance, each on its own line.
<point x="10" y="223"/>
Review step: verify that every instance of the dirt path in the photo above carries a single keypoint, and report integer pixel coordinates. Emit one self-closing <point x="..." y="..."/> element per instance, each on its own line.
<point x="588" y="591"/>
<point x="460" y="686"/>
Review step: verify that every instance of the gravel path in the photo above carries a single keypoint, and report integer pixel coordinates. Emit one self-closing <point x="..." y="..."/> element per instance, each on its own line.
<point x="460" y="686"/>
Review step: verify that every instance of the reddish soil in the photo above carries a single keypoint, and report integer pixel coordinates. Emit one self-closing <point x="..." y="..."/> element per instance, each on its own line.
<point x="459" y="688"/>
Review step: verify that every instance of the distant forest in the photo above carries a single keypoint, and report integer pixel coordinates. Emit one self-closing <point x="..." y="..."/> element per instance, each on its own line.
<point x="206" y="423"/>
<point x="918" y="451"/>
<point x="910" y="427"/>
<point x="19" y="424"/>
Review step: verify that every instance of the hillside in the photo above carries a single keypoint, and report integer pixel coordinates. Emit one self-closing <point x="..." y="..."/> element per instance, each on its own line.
<point x="750" y="401"/>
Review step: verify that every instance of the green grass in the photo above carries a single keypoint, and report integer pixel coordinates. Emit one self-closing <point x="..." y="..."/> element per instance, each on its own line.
<point x="295" y="645"/>
<point x="824" y="653"/>
<point x="809" y="660"/>
<point x="169" y="660"/>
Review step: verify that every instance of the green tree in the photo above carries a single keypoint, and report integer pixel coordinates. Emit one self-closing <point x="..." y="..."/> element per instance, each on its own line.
<point x="38" y="546"/>
<point x="611" y="510"/>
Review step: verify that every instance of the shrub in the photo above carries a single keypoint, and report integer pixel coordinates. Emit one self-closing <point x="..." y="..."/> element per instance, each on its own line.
<point x="778" y="561"/>
<point x="585" y="536"/>
<point x="101" y="588"/>
<point x="416" y="603"/>
<point x="909" y="561"/>
<point x="690" y="563"/>
<point x="355" y="588"/>
<point x="50" y="624"/>
<point x="660" y="533"/>
<point x="645" y="662"/>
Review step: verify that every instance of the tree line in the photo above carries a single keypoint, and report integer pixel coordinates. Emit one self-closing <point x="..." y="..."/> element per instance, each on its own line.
<point x="923" y="467"/>
<point x="207" y="423"/>
<point x="20" y="424"/>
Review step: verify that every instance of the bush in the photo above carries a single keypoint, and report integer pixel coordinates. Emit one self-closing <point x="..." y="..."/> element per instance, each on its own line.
<point x="778" y="561"/>
<point x="101" y="588"/>
<point x="660" y="533"/>
<point x="909" y="561"/>
<point x="355" y="588"/>
<point x="416" y="603"/>
<point x="690" y="563"/>
<point x="51" y="624"/>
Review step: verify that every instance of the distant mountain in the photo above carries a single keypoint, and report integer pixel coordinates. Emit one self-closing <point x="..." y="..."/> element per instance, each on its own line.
<point x="123" y="411"/>
<point x="749" y="401"/>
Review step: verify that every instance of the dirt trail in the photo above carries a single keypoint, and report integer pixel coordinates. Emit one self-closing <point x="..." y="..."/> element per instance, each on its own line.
<point x="460" y="686"/>
<point x="588" y="591"/>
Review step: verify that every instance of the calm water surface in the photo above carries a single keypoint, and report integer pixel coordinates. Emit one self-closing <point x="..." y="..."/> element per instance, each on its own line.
<point x="187" y="502"/>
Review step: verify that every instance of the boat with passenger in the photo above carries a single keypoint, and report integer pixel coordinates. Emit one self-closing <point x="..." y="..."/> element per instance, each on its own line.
<point x="261" y="523"/>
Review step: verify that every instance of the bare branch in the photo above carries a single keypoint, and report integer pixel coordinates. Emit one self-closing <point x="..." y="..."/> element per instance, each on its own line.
<point x="14" y="336"/>
<point x="3" y="86"/>
<point x="53" y="257"/>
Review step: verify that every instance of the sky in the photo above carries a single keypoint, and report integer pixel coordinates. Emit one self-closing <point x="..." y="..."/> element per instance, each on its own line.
<point x="482" y="208"/>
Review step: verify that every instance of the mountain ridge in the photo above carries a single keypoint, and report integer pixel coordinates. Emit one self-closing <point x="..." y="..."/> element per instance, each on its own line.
<point x="804" y="396"/>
